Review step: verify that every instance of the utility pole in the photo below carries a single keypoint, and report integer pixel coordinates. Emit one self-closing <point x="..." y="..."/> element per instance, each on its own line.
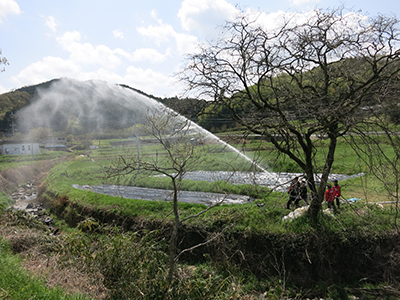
<point x="12" y="123"/>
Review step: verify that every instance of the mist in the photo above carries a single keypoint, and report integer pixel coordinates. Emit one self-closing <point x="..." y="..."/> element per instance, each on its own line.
<point x="92" y="105"/>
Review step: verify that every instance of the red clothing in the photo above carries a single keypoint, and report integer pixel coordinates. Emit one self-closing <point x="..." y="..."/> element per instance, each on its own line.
<point x="338" y="191"/>
<point x="330" y="195"/>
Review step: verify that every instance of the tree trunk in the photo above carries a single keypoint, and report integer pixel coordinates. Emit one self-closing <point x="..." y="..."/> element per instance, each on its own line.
<point x="174" y="236"/>
<point x="318" y="198"/>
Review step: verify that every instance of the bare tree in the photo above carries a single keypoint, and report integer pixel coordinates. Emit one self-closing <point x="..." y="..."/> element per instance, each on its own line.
<point x="299" y="82"/>
<point x="3" y="61"/>
<point x="377" y="143"/>
<point x="179" y="153"/>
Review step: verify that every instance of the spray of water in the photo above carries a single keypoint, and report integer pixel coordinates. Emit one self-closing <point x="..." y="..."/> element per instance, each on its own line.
<point x="90" y="106"/>
<point x="72" y="106"/>
<point x="204" y="132"/>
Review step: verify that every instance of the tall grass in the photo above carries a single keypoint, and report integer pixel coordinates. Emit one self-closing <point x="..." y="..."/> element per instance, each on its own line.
<point x="17" y="283"/>
<point x="136" y="267"/>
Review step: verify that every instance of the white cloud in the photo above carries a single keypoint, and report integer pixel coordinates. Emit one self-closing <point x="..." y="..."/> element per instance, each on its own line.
<point x="154" y="14"/>
<point x="276" y="19"/>
<point x="84" y="60"/>
<point x="122" y="53"/>
<point x="151" y="55"/>
<point x="8" y="7"/>
<point x="204" y="16"/>
<point x="46" y="69"/>
<point x="163" y="33"/>
<point x="118" y="34"/>
<point x="186" y="43"/>
<point x="148" y="80"/>
<point x="51" y="23"/>
<point x="86" y="53"/>
<point x="68" y="39"/>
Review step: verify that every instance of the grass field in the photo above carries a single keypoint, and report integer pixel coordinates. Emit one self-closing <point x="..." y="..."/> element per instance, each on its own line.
<point x="89" y="170"/>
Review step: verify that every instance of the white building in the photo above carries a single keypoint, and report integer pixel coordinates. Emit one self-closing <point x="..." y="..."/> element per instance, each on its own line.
<point x="54" y="140"/>
<point x="19" y="148"/>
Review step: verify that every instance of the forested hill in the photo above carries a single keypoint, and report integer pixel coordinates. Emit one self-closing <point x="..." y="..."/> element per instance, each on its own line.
<point x="12" y="102"/>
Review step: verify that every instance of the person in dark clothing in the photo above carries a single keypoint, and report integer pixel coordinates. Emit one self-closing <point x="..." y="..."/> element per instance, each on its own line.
<point x="302" y="194"/>
<point x="293" y="191"/>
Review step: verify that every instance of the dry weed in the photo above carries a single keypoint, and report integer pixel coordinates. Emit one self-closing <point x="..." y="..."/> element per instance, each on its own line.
<point x="37" y="250"/>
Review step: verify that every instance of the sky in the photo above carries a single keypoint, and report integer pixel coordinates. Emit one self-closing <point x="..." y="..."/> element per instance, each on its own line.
<point x="140" y="43"/>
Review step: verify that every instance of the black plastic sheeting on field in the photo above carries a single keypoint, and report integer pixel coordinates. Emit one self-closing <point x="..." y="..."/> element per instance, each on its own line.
<point x="131" y="192"/>
<point x="277" y="181"/>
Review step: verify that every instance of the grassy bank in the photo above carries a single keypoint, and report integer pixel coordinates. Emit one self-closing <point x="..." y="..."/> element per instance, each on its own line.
<point x="18" y="283"/>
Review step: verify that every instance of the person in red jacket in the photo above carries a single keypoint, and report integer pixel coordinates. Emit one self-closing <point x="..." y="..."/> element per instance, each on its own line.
<point x="330" y="196"/>
<point x="338" y="192"/>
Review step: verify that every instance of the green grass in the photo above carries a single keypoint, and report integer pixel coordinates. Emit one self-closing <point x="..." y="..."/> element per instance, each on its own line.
<point x="5" y="201"/>
<point x="16" y="283"/>
<point x="220" y="158"/>
<point x="247" y="217"/>
<point x="13" y="161"/>
<point x="346" y="160"/>
<point x="90" y="171"/>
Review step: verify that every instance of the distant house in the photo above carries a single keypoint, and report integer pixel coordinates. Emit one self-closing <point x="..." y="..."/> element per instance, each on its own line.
<point x="55" y="143"/>
<point x="54" y="140"/>
<point x="19" y="148"/>
<point x="56" y="148"/>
